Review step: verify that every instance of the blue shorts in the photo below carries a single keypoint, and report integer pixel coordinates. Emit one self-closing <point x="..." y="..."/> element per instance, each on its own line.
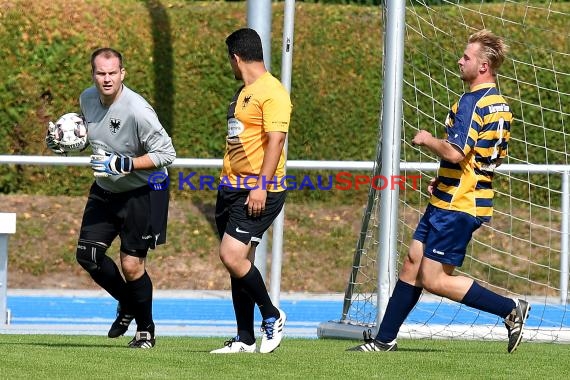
<point x="445" y="234"/>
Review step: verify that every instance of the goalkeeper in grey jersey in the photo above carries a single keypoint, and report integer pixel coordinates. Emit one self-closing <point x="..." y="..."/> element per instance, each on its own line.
<point x="130" y="152"/>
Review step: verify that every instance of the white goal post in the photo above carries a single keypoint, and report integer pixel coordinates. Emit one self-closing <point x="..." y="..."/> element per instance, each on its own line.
<point x="523" y="251"/>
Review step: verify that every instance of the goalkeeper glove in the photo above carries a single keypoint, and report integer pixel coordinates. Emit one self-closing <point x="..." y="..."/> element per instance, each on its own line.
<point x="105" y="165"/>
<point x="51" y="141"/>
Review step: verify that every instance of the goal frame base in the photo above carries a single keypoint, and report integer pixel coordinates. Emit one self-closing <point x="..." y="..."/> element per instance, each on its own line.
<point x="340" y="330"/>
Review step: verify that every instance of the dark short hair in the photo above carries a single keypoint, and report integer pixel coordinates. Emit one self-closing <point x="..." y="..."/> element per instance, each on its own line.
<point x="106" y="52"/>
<point x="246" y="44"/>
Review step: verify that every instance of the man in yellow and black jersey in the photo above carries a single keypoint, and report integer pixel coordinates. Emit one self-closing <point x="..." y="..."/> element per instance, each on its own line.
<point x="478" y="129"/>
<point x="251" y="192"/>
<point x="258" y="120"/>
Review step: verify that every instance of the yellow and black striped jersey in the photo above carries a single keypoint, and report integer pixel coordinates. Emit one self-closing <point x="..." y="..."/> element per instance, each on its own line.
<point x="263" y="106"/>
<point x="479" y="124"/>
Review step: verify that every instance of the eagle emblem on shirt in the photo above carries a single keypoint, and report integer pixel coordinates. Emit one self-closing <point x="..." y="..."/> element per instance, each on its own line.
<point x="115" y="125"/>
<point x="246" y="100"/>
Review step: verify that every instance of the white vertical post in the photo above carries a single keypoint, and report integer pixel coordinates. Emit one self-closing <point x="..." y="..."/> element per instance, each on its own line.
<point x="565" y="230"/>
<point x="259" y="19"/>
<point x="390" y="148"/>
<point x="286" y="69"/>
<point x="7" y="227"/>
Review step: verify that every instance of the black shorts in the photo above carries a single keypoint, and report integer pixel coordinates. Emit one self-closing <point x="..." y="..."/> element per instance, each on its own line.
<point x="232" y="218"/>
<point x="138" y="217"/>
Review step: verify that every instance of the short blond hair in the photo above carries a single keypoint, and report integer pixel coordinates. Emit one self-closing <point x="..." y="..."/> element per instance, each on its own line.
<point x="493" y="48"/>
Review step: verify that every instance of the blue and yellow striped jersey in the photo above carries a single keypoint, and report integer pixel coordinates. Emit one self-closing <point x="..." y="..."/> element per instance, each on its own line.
<point x="480" y="125"/>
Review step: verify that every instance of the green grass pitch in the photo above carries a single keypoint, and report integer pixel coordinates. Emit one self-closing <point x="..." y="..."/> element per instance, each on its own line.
<point x="97" y="357"/>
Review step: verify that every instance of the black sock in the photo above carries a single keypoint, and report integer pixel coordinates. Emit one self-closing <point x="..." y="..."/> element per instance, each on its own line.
<point x="109" y="278"/>
<point x="244" y="308"/>
<point x="140" y="293"/>
<point x="255" y="287"/>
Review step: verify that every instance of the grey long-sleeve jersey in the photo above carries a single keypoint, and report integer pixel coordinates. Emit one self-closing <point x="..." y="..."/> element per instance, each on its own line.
<point x="129" y="127"/>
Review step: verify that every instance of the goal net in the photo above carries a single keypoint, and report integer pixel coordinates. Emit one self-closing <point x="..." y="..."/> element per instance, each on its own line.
<point x="523" y="251"/>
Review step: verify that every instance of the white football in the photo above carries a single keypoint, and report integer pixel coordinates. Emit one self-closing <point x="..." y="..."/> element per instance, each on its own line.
<point x="71" y="132"/>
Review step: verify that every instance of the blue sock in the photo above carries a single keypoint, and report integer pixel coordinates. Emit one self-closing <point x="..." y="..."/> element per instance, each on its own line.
<point x="402" y="301"/>
<point x="483" y="299"/>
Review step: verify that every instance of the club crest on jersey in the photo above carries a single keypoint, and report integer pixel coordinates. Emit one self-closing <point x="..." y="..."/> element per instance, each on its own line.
<point x="115" y="125"/>
<point x="246" y="101"/>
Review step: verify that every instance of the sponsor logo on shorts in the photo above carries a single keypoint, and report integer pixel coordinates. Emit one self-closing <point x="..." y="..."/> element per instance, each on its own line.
<point x="239" y="230"/>
<point x="441" y="253"/>
<point x="148" y="237"/>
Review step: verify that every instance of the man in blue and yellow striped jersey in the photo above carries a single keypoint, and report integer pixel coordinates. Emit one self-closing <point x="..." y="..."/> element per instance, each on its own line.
<point x="477" y="134"/>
